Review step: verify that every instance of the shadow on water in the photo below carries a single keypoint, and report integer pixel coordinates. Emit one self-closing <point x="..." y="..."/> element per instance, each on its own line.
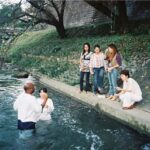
<point x="74" y="126"/>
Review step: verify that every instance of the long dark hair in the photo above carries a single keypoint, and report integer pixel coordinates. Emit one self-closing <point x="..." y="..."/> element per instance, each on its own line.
<point x="88" y="47"/>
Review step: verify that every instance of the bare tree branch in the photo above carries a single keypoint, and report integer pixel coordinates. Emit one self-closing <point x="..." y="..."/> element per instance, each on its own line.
<point x="56" y="7"/>
<point x="62" y="8"/>
<point x="45" y="11"/>
<point x="50" y="12"/>
<point x="35" y="4"/>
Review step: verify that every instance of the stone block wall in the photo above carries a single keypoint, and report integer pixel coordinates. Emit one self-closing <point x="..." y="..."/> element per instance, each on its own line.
<point x="78" y="12"/>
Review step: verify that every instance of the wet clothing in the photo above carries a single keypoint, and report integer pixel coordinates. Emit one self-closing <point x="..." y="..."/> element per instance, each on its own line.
<point x="27" y="108"/>
<point x="46" y="112"/>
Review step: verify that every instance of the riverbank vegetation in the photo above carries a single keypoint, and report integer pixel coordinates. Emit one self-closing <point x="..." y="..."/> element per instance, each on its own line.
<point x="56" y="51"/>
<point x="42" y="51"/>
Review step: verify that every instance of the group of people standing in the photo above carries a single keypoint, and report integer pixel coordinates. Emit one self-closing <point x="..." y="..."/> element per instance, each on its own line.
<point x="97" y="63"/>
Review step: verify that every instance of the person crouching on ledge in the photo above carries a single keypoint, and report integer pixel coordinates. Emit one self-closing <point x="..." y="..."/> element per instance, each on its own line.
<point x="131" y="91"/>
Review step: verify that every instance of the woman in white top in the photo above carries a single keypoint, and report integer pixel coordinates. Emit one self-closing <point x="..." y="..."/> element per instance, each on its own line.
<point x="48" y="108"/>
<point x="131" y="92"/>
<point x="84" y="67"/>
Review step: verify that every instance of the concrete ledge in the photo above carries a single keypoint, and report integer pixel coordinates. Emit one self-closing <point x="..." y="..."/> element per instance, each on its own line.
<point x="135" y="118"/>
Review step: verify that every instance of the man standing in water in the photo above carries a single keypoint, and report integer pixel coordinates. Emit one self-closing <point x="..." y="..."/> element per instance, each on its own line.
<point x="28" y="110"/>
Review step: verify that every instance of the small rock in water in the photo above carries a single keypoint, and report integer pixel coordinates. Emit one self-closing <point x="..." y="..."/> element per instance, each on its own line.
<point x="21" y="74"/>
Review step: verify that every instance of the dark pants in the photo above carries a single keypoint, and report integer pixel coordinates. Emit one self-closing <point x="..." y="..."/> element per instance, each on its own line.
<point x="87" y="76"/>
<point x="26" y="125"/>
<point x="26" y="129"/>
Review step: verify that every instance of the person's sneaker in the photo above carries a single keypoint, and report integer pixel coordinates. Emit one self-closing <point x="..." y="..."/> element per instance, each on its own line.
<point x="101" y="91"/>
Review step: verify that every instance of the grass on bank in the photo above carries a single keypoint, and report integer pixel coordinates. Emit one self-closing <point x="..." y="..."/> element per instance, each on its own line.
<point x="59" y="58"/>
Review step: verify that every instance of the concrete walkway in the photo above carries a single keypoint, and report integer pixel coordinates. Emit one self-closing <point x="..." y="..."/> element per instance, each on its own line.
<point x="136" y="118"/>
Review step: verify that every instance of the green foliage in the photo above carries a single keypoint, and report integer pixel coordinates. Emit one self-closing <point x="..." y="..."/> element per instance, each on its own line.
<point x="53" y="69"/>
<point x="148" y="48"/>
<point x="7" y="13"/>
<point x="59" y="58"/>
<point x="90" y="30"/>
<point x="20" y="24"/>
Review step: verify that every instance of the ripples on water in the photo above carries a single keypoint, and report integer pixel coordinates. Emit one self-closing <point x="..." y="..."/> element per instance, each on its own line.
<point x="73" y="126"/>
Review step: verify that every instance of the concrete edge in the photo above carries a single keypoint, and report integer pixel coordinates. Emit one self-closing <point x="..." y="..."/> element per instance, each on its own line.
<point x="135" y="118"/>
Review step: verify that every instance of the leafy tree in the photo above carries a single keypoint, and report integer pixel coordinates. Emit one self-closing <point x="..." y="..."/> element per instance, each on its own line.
<point x="8" y="13"/>
<point x="5" y="14"/>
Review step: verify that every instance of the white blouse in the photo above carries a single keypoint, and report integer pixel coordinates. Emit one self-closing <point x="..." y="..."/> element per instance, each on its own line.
<point x="46" y="112"/>
<point x="133" y="86"/>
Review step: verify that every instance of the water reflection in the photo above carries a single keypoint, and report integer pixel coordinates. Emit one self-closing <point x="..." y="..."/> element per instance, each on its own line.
<point x="73" y="126"/>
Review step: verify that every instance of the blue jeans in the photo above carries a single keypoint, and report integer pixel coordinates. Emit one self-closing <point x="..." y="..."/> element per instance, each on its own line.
<point x="98" y="78"/>
<point x="112" y="78"/>
<point x="87" y="76"/>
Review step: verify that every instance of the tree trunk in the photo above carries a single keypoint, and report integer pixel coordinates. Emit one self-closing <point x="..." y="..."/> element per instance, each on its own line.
<point x="121" y="20"/>
<point x="61" y="29"/>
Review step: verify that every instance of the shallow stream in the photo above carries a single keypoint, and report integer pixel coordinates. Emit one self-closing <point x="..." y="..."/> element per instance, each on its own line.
<point x="74" y="126"/>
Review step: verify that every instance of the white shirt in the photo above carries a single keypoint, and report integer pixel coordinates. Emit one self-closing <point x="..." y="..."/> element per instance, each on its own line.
<point x="27" y="108"/>
<point x="133" y="86"/>
<point x="46" y="113"/>
<point x="85" y="62"/>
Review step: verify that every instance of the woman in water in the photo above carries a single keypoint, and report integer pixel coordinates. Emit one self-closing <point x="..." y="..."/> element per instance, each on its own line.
<point x="48" y="108"/>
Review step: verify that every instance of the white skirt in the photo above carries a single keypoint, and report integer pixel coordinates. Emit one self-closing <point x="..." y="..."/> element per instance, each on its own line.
<point x="129" y="99"/>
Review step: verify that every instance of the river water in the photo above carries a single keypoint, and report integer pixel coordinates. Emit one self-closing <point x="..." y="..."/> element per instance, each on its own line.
<point x="74" y="126"/>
